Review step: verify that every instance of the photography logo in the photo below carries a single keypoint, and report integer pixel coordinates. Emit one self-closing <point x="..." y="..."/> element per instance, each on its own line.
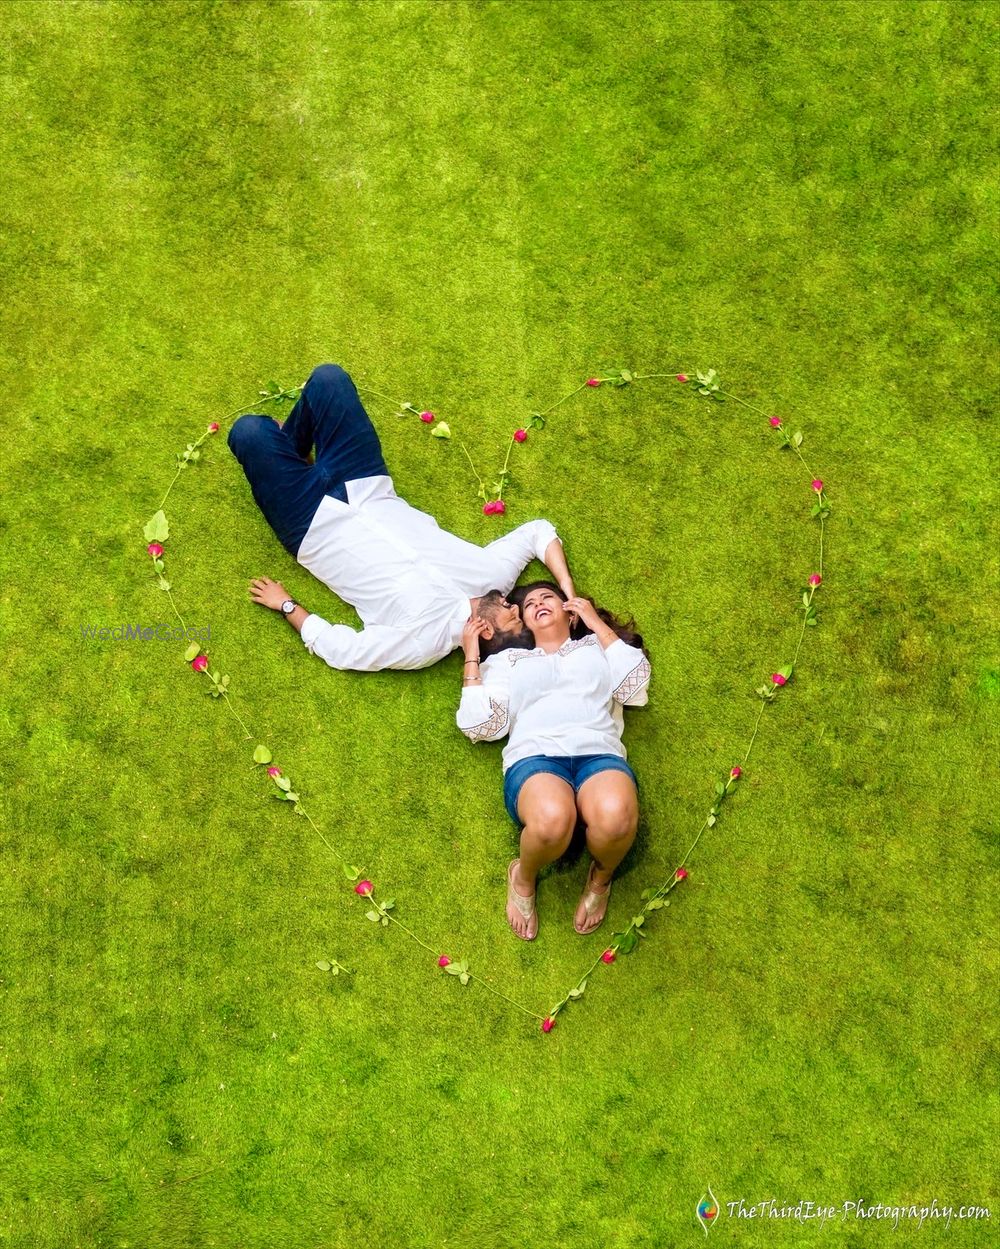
<point x="707" y="1210"/>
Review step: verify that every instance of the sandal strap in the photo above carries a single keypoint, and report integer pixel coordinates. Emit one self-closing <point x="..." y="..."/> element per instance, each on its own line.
<point x="526" y="906"/>
<point x="591" y="898"/>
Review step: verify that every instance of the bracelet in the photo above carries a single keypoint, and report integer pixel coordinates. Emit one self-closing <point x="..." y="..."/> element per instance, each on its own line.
<point x="472" y="661"/>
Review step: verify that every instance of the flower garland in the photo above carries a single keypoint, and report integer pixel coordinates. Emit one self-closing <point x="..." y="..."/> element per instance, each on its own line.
<point x="705" y="386"/>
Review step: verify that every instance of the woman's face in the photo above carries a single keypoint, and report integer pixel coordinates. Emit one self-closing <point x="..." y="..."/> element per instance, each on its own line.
<point x="542" y="608"/>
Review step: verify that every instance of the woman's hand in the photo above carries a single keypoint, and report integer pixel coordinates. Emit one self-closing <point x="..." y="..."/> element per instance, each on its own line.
<point x="268" y="593"/>
<point x="584" y="608"/>
<point x="471" y="634"/>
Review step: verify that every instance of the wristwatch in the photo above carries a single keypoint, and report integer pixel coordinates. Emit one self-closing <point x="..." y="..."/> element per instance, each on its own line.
<point x="288" y="606"/>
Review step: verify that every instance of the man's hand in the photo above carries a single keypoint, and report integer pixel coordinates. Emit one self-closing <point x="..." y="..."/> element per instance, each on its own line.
<point x="268" y="593"/>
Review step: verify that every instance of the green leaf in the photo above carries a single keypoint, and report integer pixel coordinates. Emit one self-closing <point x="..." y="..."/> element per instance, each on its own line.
<point x="156" y="529"/>
<point x="225" y="680"/>
<point x="465" y="977"/>
<point x="720" y="789"/>
<point x="282" y="782"/>
<point x="711" y="821"/>
<point x="805" y="598"/>
<point x="388" y="904"/>
<point x="261" y="754"/>
<point x="786" y="672"/>
<point x="441" y="430"/>
<point x="628" y="942"/>
<point x="336" y="969"/>
<point x="164" y="584"/>
<point x="195" y="455"/>
<point x="298" y="810"/>
<point x="626" y="375"/>
<point x="352" y="873"/>
<point x="812" y="621"/>
<point x="373" y="916"/>
<point x="655" y="904"/>
<point x="537" y="420"/>
<point x="191" y="652"/>
<point x="638" y="921"/>
<point x="324" y="966"/>
<point x="579" y="991"/>
<point x="159" y="565"/>
<point x="291" y="797"/>
<point x="797" y="440"/>
<point x="215" y="677"/>
<point x="453" y="969"/>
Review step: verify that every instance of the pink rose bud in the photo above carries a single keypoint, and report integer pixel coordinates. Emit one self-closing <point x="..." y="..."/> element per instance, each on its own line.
<point x="214" y="427"/>
<point x="520" y="435"/>
<point x="427" y="417"/>
<point x="681" y="874"/>
<point x="776" y="422"/>
<point x="682" y="377"/>
<point x="591" y="381"/>
<point x="364" y="887"/>
<point x="155" y="550"/>
<point x="736" y="773"/>
<point x="444" y="960"/>
<point x="777" y="678"/>
<point x="274" y="771"/>
<point x="499" y="507"/>
<point x="818" y="486"/>
<point x="548" y="1024"/>
<point x="199" y="663"/>
<point x="489" y="509"/>
<point x="608" y="956"/>
<point x="815" y="579"/>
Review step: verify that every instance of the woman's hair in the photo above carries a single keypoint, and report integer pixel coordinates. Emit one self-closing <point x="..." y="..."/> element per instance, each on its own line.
<point x="626" y="631"/>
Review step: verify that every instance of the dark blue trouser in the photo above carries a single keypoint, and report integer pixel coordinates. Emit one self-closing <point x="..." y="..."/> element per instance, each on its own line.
<point x="286" y="488"/>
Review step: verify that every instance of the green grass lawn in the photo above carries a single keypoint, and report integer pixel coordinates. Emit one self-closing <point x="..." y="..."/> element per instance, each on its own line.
<point x="473" y="207"/>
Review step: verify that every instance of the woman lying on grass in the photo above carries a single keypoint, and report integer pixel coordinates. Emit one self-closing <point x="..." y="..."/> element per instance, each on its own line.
<point x="561" y="704"/>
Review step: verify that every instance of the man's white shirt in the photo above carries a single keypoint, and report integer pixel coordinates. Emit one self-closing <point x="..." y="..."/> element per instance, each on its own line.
<point x="409" y="580"/>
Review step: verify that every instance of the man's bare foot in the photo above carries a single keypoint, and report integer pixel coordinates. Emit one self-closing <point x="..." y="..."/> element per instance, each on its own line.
<point x="521" y="913"/>
<point x="593" y="904"/>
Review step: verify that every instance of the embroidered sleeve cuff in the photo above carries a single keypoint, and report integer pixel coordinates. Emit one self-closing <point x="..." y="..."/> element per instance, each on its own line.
<point x="630" y="672"/>
<point x="494" y="726"/>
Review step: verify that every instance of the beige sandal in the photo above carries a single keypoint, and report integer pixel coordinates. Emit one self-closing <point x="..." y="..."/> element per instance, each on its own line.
<point x="593" y="902"/>
<point x="525" y="907"/>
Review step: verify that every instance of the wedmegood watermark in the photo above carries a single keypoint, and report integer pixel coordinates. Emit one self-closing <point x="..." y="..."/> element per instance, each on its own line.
<point x="161" y="632"/>
<point x="914" y="1215"/>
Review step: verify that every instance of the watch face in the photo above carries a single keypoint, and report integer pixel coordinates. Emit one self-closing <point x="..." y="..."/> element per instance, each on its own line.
<point x="288" y="606"/>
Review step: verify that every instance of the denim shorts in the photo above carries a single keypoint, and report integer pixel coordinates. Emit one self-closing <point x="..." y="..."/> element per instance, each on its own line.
<point x="573" y="769"/>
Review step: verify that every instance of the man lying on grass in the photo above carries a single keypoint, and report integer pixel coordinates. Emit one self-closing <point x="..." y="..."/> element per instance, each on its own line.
<point x="413" y="584"/>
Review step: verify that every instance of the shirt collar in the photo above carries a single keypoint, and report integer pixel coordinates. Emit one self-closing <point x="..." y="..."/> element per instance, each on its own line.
<point x="463" y="611"/>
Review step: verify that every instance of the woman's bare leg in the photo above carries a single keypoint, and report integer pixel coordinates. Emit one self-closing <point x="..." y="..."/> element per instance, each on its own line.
<point x="547" y="807"/>
<point x="609" y="804"/>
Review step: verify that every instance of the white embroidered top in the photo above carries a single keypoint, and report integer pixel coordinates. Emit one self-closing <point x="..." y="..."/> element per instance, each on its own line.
<point x="409" y="580"/>
<point x="565" y="703"/>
